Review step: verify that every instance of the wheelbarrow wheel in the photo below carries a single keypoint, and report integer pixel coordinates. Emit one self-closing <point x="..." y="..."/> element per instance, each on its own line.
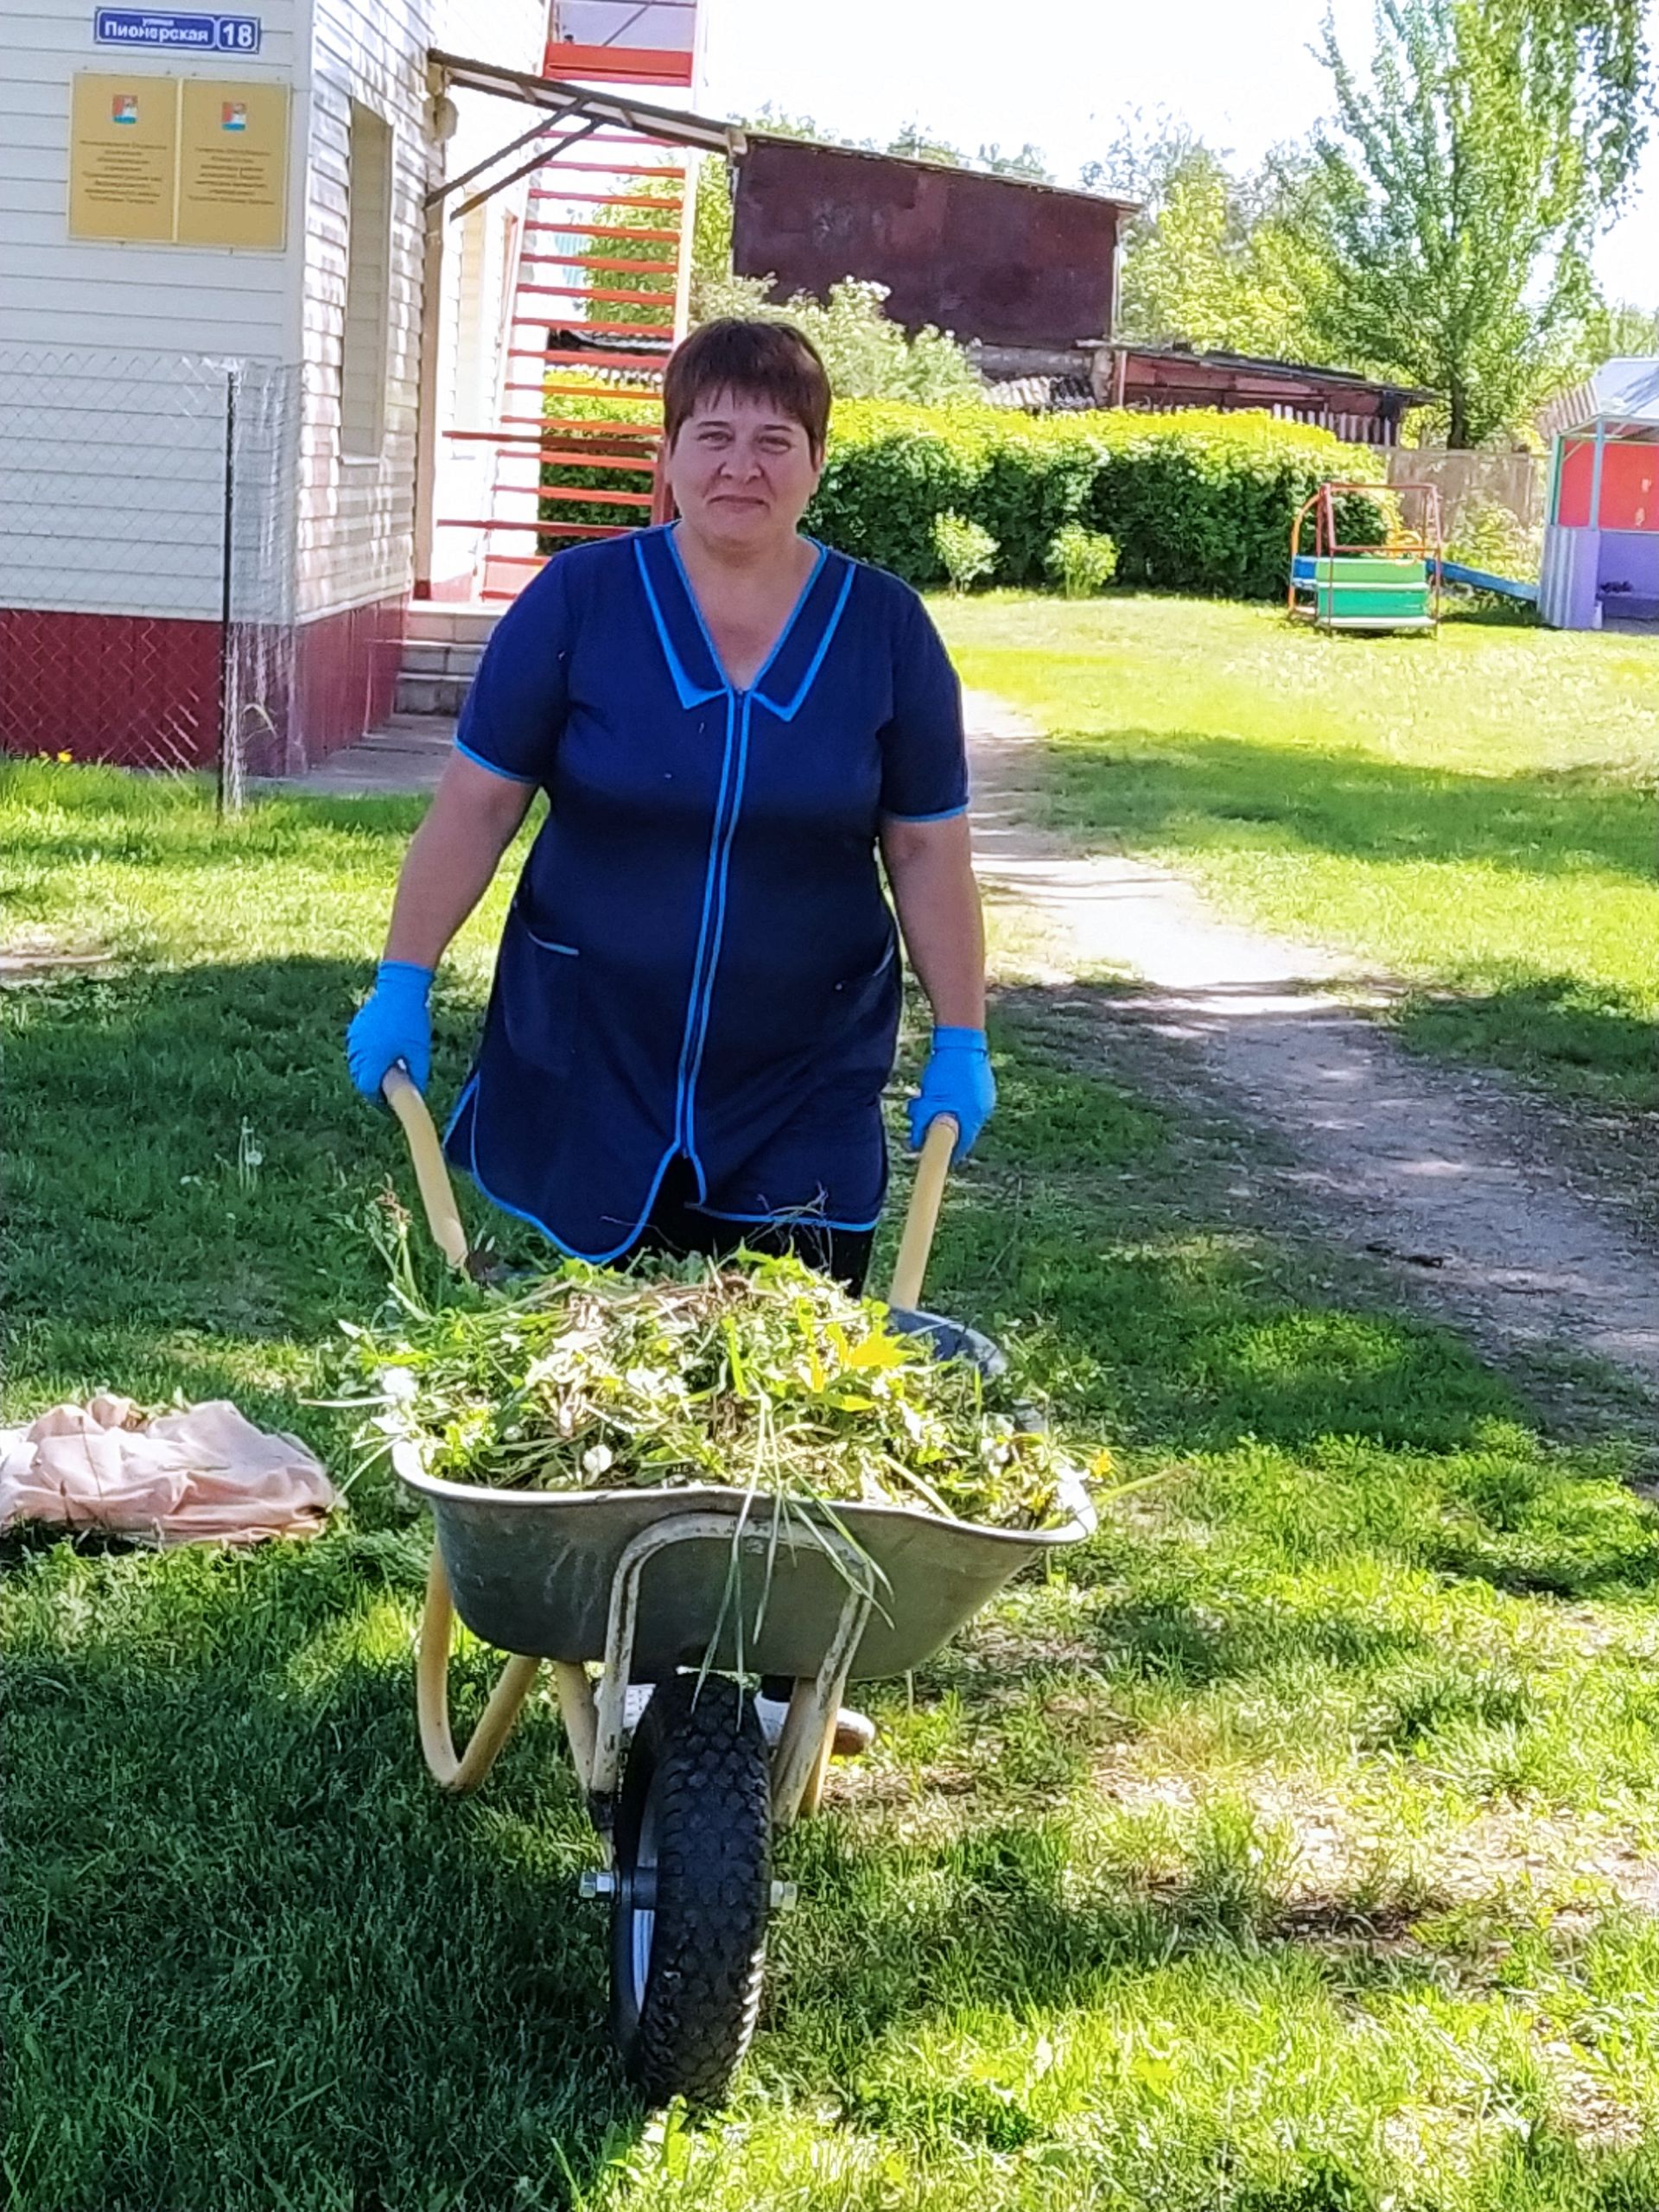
<point x="693" y="1847"/>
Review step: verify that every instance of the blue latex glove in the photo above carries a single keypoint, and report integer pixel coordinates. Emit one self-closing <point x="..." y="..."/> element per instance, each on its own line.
<point x="957" y="1080"/>
<point x="391" y="1025"/>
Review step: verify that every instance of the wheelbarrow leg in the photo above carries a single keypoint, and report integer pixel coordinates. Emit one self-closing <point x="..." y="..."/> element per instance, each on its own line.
<point x="804" y="1703"/>
<point x="458" y="1774"/>
<point x="803" y="1753"/>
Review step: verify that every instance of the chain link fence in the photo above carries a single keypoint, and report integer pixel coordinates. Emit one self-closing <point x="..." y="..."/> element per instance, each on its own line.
<point x="147" y="559"/>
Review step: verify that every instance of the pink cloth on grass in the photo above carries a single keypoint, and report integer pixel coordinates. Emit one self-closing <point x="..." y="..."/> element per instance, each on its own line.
<point x="205" y="1473"/>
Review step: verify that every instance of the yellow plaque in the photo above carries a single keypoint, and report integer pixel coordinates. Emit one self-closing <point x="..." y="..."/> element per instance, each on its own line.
<point x="124" y="156"/>
<point x="233" y="164"/>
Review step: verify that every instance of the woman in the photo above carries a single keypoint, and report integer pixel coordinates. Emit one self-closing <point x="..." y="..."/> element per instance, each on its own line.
<point x="696" y="1004"/>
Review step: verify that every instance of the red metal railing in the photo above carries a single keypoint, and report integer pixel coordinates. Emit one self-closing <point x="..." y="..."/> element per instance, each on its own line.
<point x="546" y="462"/>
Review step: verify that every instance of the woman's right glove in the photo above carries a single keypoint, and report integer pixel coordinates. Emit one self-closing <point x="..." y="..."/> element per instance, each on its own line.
<point x="957" y="1081"/>
<point x="393" y="1024"/>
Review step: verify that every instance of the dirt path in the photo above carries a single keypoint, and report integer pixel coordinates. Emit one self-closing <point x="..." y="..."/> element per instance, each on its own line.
<point x="1438" y="1174"/>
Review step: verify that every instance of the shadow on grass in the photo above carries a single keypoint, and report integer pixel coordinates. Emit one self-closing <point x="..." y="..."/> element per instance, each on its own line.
<point x="1599" y="1041"/>
<point x="256" y="1957"/>
<point x="1169" y="788"/>
<point x="278" y="1967"/>
<point x="190" y="1165"/>
<point x="191" y="1176"/>
<point x="994" y="1920"/>
<point x="359" y="1996"/>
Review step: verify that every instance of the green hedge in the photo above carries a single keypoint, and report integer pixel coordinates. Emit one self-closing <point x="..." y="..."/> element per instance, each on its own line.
<point x="1196" y="502"/>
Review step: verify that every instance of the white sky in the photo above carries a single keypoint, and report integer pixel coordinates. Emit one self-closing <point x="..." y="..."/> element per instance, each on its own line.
<point x="1059" y="74"/>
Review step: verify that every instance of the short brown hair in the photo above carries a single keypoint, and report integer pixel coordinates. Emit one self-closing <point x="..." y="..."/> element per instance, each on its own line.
<point x="758" y="361"/>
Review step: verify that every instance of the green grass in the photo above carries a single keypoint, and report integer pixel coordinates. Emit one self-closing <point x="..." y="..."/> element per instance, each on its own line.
<point x="1294" y="1848"/>
<point x="1478" y="814"/>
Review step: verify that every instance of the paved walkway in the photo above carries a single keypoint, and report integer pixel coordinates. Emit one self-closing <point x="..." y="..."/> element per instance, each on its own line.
<point x="407" y="754"/>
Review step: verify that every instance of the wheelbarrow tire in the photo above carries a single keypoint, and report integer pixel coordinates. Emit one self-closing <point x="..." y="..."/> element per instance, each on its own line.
<point x="694" y="1812"/>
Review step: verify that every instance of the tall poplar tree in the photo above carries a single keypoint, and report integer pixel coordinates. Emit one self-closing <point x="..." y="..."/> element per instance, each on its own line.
<point x="1472" y="168"/>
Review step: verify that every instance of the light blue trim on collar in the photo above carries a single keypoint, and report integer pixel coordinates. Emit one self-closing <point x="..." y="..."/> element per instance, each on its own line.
<point x="689" y="695"/>
<point x="787" y="714"/>
<point x="784" y="635"/>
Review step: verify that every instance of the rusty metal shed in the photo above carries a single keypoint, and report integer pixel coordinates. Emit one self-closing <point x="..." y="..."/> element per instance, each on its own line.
<point x="993" y="258"/>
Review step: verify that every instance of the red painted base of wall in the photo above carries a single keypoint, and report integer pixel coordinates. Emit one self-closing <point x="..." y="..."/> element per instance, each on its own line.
<point x="143" y="691"/>
<point x="135" y="690"/>
<point x="346" y="675"/>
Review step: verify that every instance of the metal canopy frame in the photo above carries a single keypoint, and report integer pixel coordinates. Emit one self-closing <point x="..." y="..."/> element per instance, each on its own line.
<point x="543" y="154"/>
<point x="561" y="101"/>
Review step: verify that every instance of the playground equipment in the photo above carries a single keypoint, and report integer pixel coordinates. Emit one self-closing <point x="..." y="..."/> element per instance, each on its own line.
<point x="643" y="1582"/>
<point x="1601" y="533"/>
<point x="1346" y="586"/>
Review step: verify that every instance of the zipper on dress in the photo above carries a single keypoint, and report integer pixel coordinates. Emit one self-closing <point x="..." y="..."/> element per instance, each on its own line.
<point x="701" y="967"/>
<point x="725" y="842"/>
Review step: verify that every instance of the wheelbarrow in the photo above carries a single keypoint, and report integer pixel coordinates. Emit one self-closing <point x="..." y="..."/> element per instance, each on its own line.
<point x="641" y="1581"/>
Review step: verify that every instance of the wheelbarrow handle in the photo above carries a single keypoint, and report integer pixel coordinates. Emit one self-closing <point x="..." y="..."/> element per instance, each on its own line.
<point x="437" y="1196"/>
<point x="922" y="1218"/>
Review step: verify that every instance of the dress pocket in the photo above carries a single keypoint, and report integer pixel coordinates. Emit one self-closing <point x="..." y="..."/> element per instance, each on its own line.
<point x="538" y="988"/>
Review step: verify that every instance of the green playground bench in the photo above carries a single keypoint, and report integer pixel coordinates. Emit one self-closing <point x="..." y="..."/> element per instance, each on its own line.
<point x="1372" y="591"/>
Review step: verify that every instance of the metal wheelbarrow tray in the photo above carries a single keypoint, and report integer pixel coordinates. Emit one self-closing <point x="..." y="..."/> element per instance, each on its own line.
<point x="532" y="1572"/>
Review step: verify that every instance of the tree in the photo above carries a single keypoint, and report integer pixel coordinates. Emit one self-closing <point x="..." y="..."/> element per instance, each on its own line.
<point x="916" y="143"/>
<point x="651" y="249"/>
<point x="1474" y="167"/>
<point x="782" y="124"/>
<point x="1592" y="73"/>
<point x="1213" y="259"/>
<point x="1143" y="161"/>
<point x="1028" y="163"/>
<point x="709" y="185"/>
<point x="711" y="229"/>
<point x="1619" y="329"/>
<point x="1180" y="259"/>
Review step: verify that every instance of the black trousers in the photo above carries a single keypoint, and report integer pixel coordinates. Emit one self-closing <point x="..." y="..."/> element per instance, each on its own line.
<point x="676" y="1227"/>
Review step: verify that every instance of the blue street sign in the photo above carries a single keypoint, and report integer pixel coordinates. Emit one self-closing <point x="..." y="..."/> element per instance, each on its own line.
<point x="153" y="29"/>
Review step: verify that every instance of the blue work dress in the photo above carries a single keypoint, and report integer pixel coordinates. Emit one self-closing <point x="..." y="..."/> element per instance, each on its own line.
<point x="699" y="961"/>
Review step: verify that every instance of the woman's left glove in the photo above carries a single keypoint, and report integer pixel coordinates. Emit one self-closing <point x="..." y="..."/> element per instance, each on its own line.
<point x="957" y="1081"/>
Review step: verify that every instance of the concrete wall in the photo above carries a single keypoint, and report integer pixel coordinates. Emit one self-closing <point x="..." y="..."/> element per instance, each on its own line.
<point x="1514" y="480"/>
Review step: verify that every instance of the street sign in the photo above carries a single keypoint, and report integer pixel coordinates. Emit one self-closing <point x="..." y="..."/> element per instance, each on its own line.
<point x="159" y="31"/>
